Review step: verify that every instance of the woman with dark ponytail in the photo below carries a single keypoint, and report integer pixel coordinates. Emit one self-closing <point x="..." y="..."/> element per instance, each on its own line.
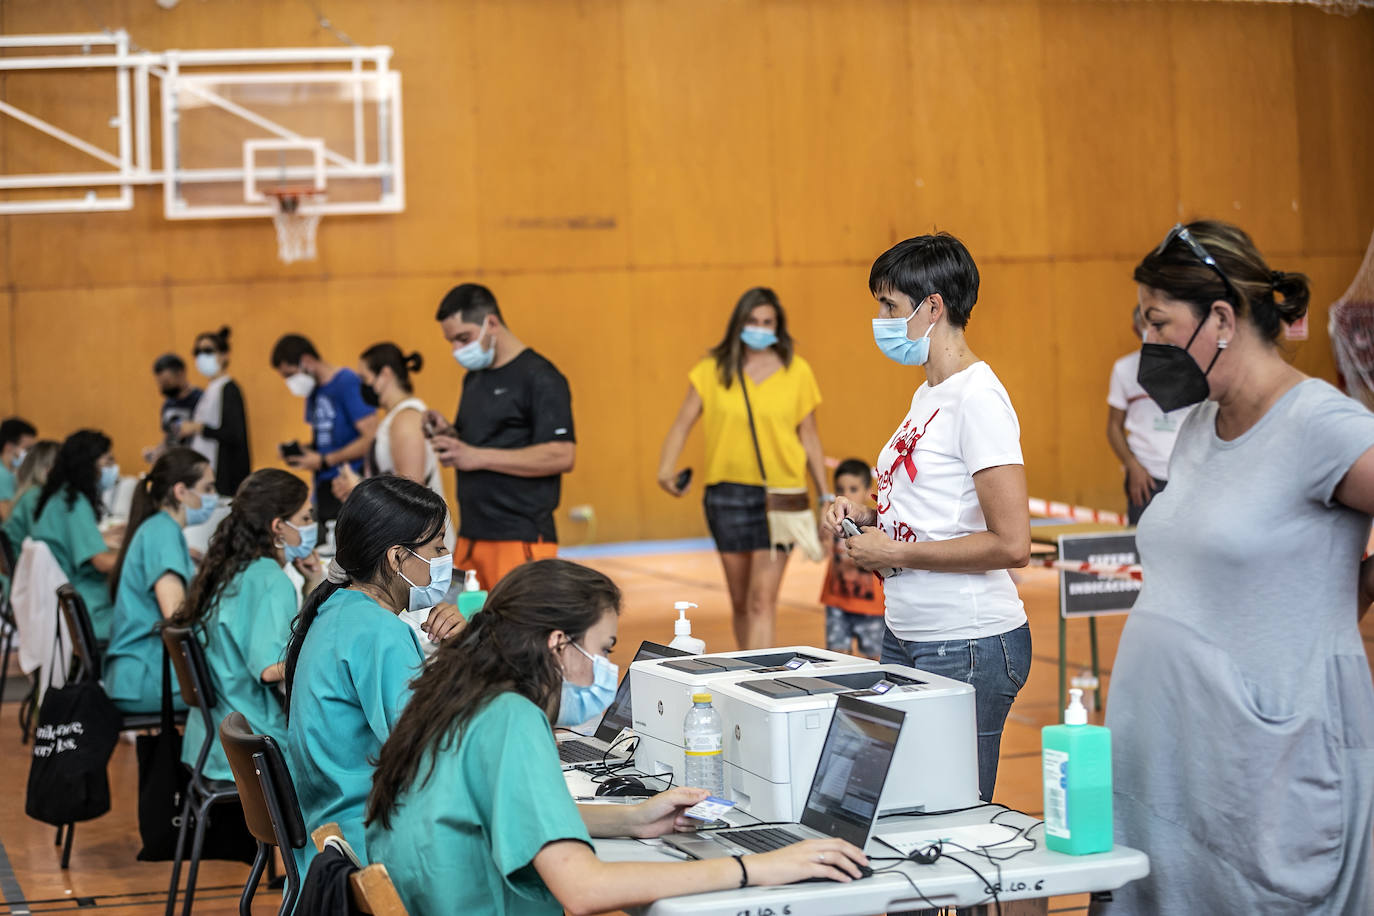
<point x="67" y="519"/>
<point x="351" y="658"/>
<point x="242" y="604"/>
<point x="469" y="809"/>
<point x="1242" y="713"/>
<point x="401" y="447"/>
<point x="219" y="426"/>
<point x="149" y="579"/>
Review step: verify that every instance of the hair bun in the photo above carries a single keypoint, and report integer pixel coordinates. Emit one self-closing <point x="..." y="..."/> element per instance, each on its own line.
<point x="1291" y="294"/>
<point x="415" y="362"/>
<point x="223" y="333"/>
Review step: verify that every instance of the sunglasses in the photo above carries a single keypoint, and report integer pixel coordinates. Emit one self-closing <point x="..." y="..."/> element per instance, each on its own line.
<point x="1181" y="233"/>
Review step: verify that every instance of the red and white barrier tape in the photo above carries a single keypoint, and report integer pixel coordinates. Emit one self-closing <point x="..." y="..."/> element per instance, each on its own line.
<point x="1094" y="569"/>
<point x="1048" y="509"/>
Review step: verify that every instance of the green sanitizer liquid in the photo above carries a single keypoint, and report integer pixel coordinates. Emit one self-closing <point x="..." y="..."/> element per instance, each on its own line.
<point x="1077" y="763"/>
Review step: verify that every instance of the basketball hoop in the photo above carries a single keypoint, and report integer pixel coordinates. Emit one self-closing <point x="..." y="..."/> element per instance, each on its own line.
<point x="296" y="218"/>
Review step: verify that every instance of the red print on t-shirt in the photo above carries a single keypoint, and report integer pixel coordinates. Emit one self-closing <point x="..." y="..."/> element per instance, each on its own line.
<point x="904" y="443"/>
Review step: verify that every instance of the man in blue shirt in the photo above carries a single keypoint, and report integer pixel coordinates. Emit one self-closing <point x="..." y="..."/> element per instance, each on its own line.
<point x="342" y="424"/>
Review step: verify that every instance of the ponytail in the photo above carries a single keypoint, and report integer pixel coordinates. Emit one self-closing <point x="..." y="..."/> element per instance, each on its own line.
<point x="388" y="356"/>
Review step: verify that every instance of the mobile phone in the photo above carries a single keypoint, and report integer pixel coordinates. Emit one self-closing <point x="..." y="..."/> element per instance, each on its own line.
<point x="683" y="478"/>
<point x="291" y="449"/>
<point x="848" y="527"/>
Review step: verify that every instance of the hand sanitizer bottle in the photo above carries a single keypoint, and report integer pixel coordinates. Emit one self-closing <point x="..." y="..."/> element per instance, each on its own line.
<point x="472" y="597"/>
<point x="1076" y="761"/>
<point x="682" y="631"/>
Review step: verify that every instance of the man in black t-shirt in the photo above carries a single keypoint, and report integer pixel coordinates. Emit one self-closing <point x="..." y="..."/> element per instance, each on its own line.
<point x="510" y="443"/>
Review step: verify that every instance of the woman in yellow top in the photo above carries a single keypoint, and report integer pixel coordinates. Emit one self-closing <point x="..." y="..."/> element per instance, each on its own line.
<point x="782" y="393"/>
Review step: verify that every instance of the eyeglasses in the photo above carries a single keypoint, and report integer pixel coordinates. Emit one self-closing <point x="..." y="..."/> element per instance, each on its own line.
<point x="1181" y="233"/>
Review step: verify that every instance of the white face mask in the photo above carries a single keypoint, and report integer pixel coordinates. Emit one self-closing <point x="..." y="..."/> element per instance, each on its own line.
<point x="301" y="384"/>
<point x="472" y="357"/>
<point x="207" y="364"/>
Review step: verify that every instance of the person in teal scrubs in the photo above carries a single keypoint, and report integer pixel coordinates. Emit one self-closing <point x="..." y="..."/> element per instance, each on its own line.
<point x="68" y="516"/>
<point x="351" y="658"/>
<point x="32" y="474"/>
<point x="469" y="810"/>
<point x="152" y="572"/>
<point x="16" y="438"/>
<point x="242" y="603"/>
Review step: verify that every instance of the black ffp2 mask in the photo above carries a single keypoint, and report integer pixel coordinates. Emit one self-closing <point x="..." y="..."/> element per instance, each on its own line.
<point x="369" y="394"/>
<point x="1170" y="375"/>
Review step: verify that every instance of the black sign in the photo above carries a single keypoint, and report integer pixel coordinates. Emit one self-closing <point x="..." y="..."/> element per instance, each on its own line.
<point x="1085" y="595"/>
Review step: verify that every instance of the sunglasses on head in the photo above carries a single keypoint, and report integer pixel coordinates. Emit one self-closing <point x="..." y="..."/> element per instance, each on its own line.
<point x="1181" y="233"/>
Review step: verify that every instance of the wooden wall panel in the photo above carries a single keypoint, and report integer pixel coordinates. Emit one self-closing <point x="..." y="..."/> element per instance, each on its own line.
<point x="700" y="157"/>
<point x="1333" y="72"/>
<point x="1236" y="118"/>
<point x="551" y="122"/>
<point x="841" y="96"/>
<point x="619" y="171"/>
<point x="978" y="131"/>
<point x="1109" y="126"/>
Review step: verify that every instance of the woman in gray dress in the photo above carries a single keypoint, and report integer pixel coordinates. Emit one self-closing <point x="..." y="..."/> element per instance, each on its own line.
<point x="1242" y="709"/>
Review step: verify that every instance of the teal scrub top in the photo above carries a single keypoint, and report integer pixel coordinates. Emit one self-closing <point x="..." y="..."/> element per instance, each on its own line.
<point x="464" y="839"/>
<point x="351" y="682"/>
<point x="73" y="534"/>
<point x="7" y="483"/>
<point x="133" y="663"/>
<point x="245" y="632"/>
<point x="20" y="523"/>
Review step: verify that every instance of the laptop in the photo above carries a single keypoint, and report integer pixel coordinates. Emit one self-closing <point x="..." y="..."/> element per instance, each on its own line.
<point x="578" y="752"/>
<point x="843" y="801"/>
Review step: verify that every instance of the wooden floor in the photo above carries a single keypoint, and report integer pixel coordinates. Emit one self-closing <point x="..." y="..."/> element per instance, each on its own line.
<point x="104" y="875"/>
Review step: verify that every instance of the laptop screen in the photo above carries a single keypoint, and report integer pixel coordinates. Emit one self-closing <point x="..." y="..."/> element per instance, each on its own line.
<point x="852" y="770"/>
<point x="618" y="715"/>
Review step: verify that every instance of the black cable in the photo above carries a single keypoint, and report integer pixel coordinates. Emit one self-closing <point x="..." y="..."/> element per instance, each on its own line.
<point x="909" y="880"/>
<point x="988" y="888"/>
<point x="1004" y="810"/>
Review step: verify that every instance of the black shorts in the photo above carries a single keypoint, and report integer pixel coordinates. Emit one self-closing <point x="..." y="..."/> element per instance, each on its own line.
<point x="737" y="516"/>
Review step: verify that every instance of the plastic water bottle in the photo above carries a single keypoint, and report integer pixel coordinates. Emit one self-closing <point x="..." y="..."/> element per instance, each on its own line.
<point x="701" y="745"/>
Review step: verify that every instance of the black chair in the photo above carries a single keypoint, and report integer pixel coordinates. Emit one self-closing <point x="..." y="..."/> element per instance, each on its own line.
<point x="188" y="658"/>
<point x="270" y="806"/>
<point x="87" y="666"/>
<point x="8" y="625"/>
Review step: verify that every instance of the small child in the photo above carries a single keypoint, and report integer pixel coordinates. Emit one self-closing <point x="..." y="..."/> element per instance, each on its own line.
<point x="853" y="598"/>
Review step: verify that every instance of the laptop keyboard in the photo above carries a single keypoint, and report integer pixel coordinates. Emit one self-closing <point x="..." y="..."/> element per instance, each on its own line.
<point x="581" y="752"/>
<point x="765" y="839"/>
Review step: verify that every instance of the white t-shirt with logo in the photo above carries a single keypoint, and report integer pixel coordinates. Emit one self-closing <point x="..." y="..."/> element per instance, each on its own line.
<point x="1150" y="432"/>
<point x="964" y="425"/>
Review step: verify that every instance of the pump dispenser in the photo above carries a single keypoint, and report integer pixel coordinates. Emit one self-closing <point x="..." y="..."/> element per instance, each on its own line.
<point x="472" y="597"/>
<point x="682" y="631"/>
<point x="1076" y="762"/>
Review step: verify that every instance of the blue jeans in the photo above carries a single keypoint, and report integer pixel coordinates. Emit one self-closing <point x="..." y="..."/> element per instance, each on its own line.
<point x="996" y="666"/>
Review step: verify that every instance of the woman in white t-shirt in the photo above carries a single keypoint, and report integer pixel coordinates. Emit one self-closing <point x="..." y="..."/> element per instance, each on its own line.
<point x="400" y="447"/>
<point x="952" y="511"/>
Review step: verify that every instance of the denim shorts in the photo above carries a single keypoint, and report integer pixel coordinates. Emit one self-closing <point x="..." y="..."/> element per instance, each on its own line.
<point x="737" y="516"/>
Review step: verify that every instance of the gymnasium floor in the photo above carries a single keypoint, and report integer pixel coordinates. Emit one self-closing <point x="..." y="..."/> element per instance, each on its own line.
<point x="105" y="877"/>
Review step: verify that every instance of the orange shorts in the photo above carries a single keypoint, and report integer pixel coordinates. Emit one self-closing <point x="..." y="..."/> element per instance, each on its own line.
<point x="493" y="559"/>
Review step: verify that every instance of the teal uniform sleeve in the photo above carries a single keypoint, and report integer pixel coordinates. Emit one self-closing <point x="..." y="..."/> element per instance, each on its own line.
<point x="83" y="531"/>
<point x="6" y="484"/>
<point x="392" y="658"/>
<point x="166" y="552"/>
<point x="516" y="780"/>
<point x="262" y="635"/>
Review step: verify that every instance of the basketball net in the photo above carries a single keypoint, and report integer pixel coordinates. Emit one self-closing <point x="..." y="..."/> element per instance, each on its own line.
<point x="296" y="219"/>
<point x="1351" y="327"/>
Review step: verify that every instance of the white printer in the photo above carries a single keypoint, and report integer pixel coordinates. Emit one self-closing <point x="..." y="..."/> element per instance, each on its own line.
<point x="661" y="693"/>
<point x="774" y="724"/>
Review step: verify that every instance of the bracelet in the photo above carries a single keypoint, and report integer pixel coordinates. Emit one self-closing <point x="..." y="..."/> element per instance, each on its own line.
<point x="825" y="499"/>
<point x="743" y="872"/>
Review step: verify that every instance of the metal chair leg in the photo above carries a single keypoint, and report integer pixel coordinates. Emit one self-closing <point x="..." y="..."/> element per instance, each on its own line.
<point x="67" y="846"/>
<point x="6" y="645"/>
<point x="202" y="819"/>
<point x="292" y="888"/>
<point x="249" y="889"/>
<point x="180" y="852"/>
<point x="27" y="708"/>
<point x="58" y="841"/>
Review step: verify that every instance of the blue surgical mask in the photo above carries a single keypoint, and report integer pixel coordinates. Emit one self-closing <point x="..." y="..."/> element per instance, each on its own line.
<point x="208" y="502"/>
<point x="440" y="578"/>
<point x="472" y="357"/>
<point x="109" y="477"/>
<point x="19" y="457"/>
<point x="890" y="336"/>
<point x="582" y="703"/>
<point x="756" y="338"/>
<point x="310" y="535"/>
